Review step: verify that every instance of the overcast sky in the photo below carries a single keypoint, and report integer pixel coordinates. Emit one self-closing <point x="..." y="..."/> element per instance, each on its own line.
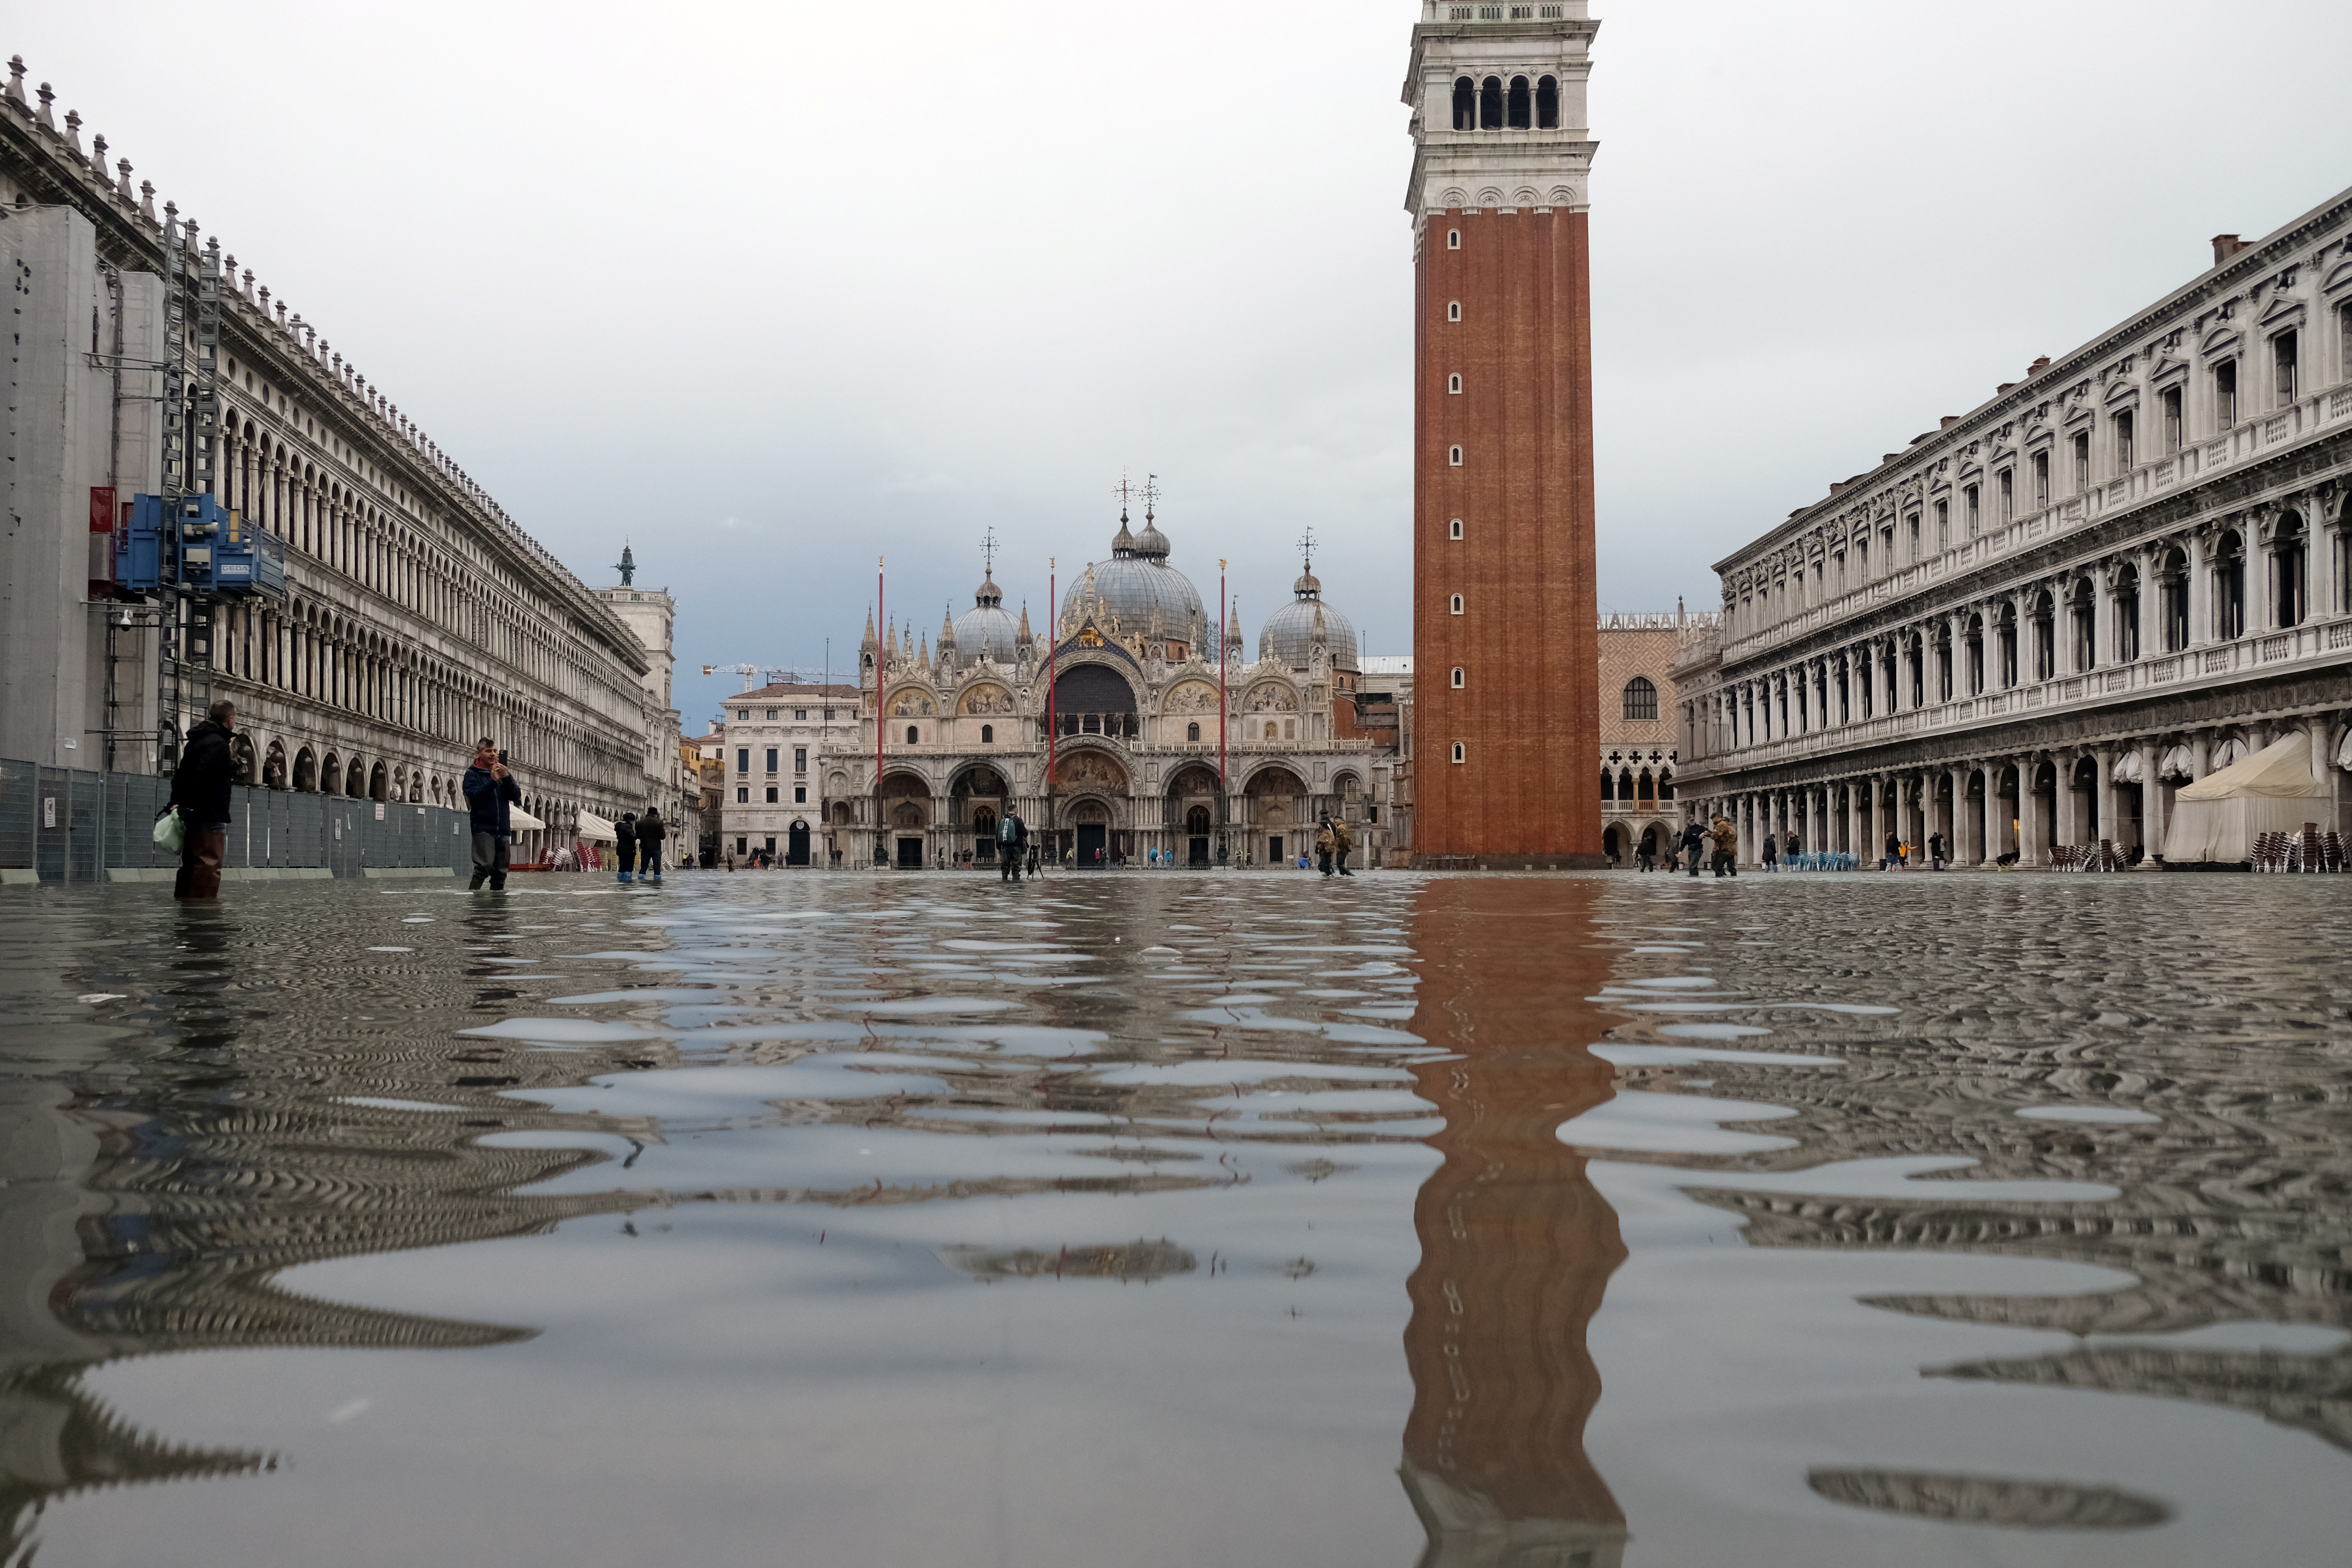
<point x="771" y="291"/>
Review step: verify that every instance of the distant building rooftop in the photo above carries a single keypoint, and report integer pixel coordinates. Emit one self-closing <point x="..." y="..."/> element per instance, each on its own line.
<point x="1385" y="664"/>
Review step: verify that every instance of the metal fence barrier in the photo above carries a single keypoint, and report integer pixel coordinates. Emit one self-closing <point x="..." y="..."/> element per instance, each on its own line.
<point x="69" y="825"/>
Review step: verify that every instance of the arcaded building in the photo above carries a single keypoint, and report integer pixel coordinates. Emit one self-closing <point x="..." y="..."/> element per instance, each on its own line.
<point x="1504" y="599"/>
<point x="1129" y="726"/>
<point x="417" y="614"/>
<point x="1638" y="745"/>
<point x="2032" y="625"/>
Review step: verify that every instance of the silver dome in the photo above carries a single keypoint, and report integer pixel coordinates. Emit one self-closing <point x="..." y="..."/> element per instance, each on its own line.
<point x="1136" y="581"/>
<point x="986" y="628"/>
<point x="1289" y="634"/>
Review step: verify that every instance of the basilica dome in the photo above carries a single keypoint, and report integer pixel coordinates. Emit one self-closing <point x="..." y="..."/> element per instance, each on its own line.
<point x="1136" y="581"/>
<point x="1289" y="634"/>
<point x="986" y="628"/>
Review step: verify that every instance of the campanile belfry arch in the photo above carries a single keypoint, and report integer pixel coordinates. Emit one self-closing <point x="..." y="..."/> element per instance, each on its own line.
<point x="1505" y="642"/>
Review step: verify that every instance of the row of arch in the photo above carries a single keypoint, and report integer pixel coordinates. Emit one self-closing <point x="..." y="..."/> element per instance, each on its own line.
<point x="2169" y="596"/>
<point x="1496" y="104"/>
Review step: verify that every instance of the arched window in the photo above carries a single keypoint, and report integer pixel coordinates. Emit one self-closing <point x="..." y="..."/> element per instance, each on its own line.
<point x="2290" y="573"/>
<point x="1453" y="383"/>
<point x="1522" y="113"/>
<point x="1641" y="699"/>
<point x="1547" y="104"/>
<point x="1490" y="105"/>
<point x="1665" y="784"/>
<point x="1466" y="104"/>
<point x="1192" y="731"/>
<point x="1458" y="604"/>
<point x="1608" y="785"/>
<point x="1453" y="309"/>
<point x="1454" y="457"/>
<point x="1461" y="753"/>
<point x="1458" y="678"/>
<point x="2230" y="589"/>
<point x="988" y="734"/>
<point x="1453" y="239"/>
<point x="1453" y="528"/>
<point x="913" y="734"/>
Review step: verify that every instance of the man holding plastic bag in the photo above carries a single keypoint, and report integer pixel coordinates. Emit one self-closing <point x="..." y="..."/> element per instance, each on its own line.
<point x="200" y="801"/>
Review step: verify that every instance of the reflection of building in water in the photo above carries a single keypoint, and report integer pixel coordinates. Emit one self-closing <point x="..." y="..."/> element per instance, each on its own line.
<point x="1516" y="1245"/>
<point x="2215" y="1222"/>
<point x="153" y="1215"/>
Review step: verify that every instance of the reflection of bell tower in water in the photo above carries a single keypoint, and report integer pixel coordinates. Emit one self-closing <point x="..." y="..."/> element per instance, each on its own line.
<point x="1516" y="1246"/>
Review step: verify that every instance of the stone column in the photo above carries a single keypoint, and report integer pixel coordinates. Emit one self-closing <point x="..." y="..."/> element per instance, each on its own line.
<point x="2201" y="591"/>
<point x="2065" y="814"/>
<point x="2103" y="794"/>
<point x="1992" y="825"/>
<point x="2200" y="754"/>
<point x="2152" y="813"/>
<point x="2029" y="827"/>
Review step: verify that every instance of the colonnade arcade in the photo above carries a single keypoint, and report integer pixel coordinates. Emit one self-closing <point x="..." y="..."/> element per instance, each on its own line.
<point x="2016" y="807"/>
<point x="2190" y="589"/>
<point x="1099" y="804"/>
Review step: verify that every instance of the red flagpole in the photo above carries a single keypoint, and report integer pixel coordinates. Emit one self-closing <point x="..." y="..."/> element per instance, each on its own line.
<point x="1052" y="635"/>
<point x="1224" y="718"/>
<point x="881" y="668"/>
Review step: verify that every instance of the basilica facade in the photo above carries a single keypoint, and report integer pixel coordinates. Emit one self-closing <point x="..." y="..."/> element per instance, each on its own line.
<point x="1128" y="726"/>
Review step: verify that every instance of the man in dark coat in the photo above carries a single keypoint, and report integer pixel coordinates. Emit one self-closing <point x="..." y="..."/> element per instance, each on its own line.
<point x="624" y="844"/>
<point x="1012" y="847"/>
<point x="490" y="791"/>
<point x="200" y="792"/>
<point x="1693" y="837"/>
<point x="650" y="834"/>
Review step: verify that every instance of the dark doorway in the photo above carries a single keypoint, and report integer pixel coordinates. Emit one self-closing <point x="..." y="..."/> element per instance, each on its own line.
<point x="796" y="844"/>
<point x="1094" y="840"/>
<point x="1198" y="852"/>
<point x="911" y="854"/>
<point x="1274" y="850"/>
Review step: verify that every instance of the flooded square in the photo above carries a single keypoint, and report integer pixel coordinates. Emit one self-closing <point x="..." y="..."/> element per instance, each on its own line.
<point x="1179" y="1219"/>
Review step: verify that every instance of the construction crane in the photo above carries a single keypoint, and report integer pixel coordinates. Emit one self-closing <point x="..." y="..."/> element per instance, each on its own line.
<point x="755" y="676"/>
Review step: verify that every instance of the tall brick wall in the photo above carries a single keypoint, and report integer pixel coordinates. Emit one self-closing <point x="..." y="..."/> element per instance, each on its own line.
<point x="1527" y="640"/>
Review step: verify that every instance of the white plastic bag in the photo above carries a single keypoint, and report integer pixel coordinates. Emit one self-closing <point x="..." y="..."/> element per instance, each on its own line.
<point x="171" y="832"/>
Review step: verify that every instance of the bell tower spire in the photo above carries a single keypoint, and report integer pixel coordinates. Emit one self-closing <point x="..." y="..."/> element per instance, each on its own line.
<point x="1504" y="586"/>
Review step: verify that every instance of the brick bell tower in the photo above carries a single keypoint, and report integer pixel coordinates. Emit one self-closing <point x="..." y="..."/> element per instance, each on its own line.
<point x="1506" y="737"/>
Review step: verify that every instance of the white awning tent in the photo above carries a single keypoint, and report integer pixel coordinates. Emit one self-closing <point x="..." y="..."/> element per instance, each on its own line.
<point x="2176" y="764"/>
<point x="2231" y="753"/>
<point x="521" y="820"/>
<point x="2217" y="818"/>
<point x="595" y="829"/>
<point x="2128" y="768"/>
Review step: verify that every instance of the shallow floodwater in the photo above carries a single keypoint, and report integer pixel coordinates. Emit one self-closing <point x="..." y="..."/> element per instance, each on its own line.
<point x="1180" y="1219"/>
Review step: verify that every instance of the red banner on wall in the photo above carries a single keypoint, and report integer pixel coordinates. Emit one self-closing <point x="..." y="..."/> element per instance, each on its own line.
<point x="102" y="509"/>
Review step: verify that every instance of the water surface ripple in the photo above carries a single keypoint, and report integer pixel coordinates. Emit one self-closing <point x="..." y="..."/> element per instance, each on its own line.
<point x="1165" y="1219"/>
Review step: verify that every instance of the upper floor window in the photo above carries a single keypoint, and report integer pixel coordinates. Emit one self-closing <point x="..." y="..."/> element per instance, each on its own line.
<point x="1641" y="699"/>
<point x="1458" y="604"/>
<point x="914" y="734"/>
<point x="1460" y="680"/>
<point x="1547" y="104"/>
<point x="1973" y="507"/>
<point x="1520" y="108"/>
<point x="800" y="715"/>
<point x="988" y="734"/>
<point x="2041" y="481"/>
<point x="744" y="714"/>
<point x="1192" y="731"/>
<point x="2282" y="371"/>
<point x="800" y="759"/>
<point x="1453" y="528"/>
<point x="2171" y="402"/>
<point x="771" y="714"/>
<point x="1454" y="384"/>
<point x="1454" y="456"/>
<point x="1453" y="309"/>
<point x="1943" y="525"/>
<point x="1911" y="527"/>
<point x="1453" y="239"/>
<point x="2007" y="494"/>
<point x="2081" y="461"/>
<point x="2123" y="431"/>
<point x="743" y="759"/>
<point x="2225" y="396"/>
<point x="1465" y="101"/>
<point x="771" y="759"/>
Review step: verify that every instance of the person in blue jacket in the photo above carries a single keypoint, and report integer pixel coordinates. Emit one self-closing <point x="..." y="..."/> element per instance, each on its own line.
<point x="490" y="791"/>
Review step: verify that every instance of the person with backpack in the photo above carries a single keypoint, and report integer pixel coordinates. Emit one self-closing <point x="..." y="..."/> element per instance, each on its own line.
<point x="1325" y="844"/>
<point x="1344" y="841"/>
<point x="200" y="793"/>
<point x="650" y="834"/>
<point x="1012" y="840"/>
<point x="625" y="845"/>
